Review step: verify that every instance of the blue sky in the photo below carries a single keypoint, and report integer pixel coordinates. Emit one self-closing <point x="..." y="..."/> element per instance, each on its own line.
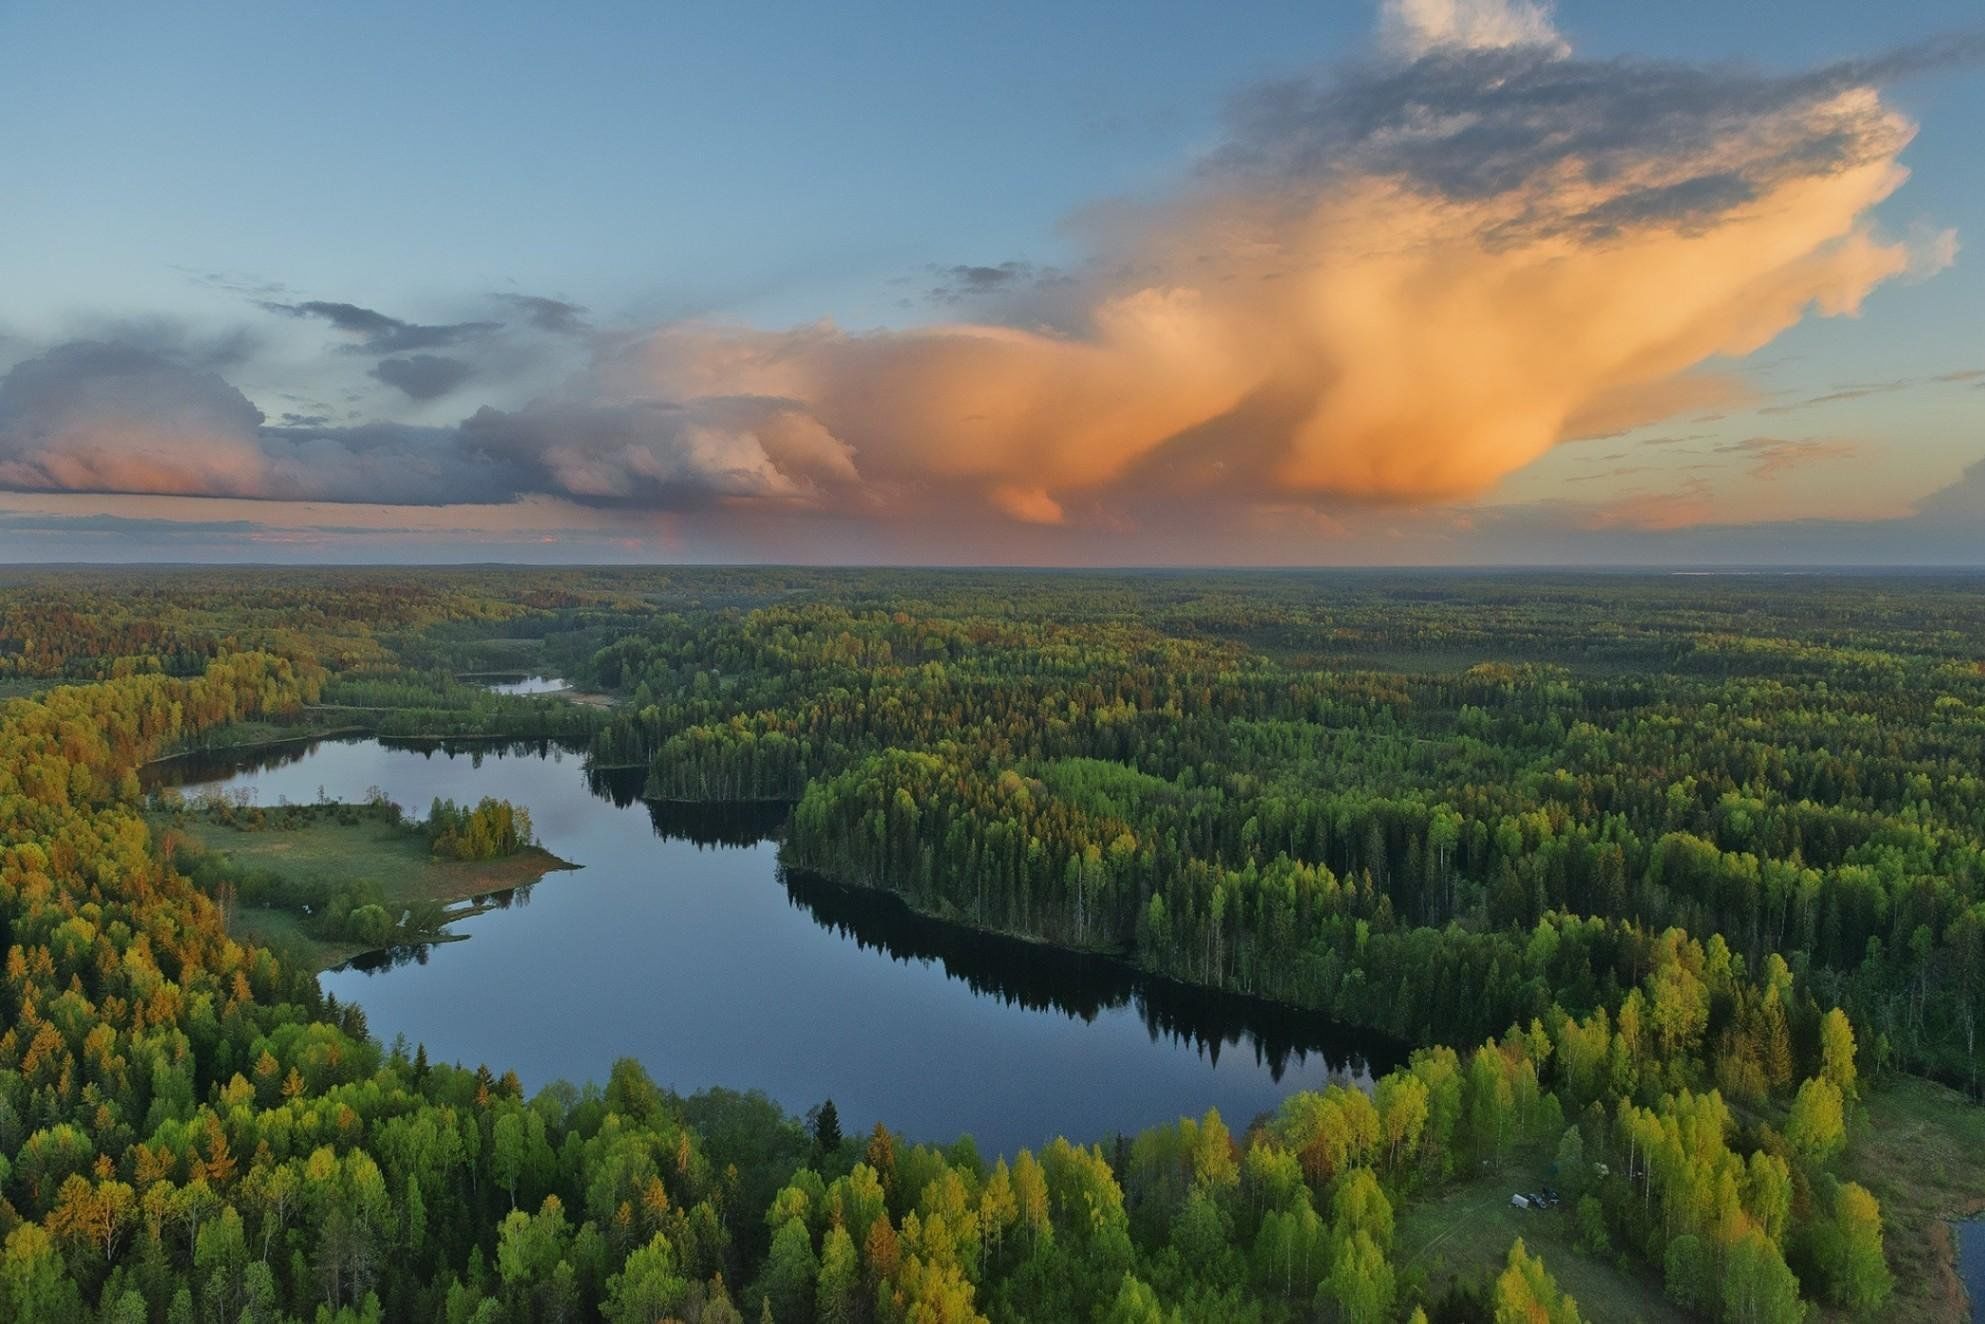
<point x="770" y="167"/>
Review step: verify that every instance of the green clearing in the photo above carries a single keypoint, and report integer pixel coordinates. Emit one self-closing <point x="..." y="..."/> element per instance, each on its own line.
<point x="284" y="932"/>
<point x="256" y="734"/>
<point x="1465" y="1232"/>
<point x="1920" y="1148"/>
<point x="322" y="849"/>
<point x="24" y="687"/>
<point x="1921" y="1151"/>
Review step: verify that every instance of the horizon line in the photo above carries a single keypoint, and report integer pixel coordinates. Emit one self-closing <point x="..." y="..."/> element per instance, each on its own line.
<point x="1450" y="567"/>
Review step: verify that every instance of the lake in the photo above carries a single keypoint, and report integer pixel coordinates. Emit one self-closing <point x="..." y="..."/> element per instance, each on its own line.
<point x="682" y="942"/>
<point x="526" y="685"/>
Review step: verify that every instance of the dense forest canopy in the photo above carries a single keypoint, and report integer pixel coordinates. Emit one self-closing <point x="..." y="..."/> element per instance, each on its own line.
<point x="1666" y="879"/>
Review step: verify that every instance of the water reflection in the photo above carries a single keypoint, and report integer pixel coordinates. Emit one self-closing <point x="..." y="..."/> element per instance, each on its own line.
<point x="1024" y="974"/>
<point x="514" y="682"/>
<point x="416" y="953"/>
<point x="203" y="768"/>
<point x="732" y="823"/>
<point x="1084" y="985"/>
<point x="680" y="940"/>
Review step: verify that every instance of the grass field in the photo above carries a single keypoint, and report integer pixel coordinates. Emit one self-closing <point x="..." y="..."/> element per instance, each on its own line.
<point x="254" y="734"/>
<point x="1466" y="1231"/>
<point x="1920" y="1148"/>
<point x="1922" y="1152"/>
<point x="326" y="852"/>
<point x="284" y="931"/>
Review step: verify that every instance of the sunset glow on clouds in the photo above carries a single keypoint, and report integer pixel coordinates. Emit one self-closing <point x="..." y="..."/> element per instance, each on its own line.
<point x="1392" y="285"/>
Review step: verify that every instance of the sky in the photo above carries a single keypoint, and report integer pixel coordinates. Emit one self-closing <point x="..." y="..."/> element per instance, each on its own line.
<point x="1475" y="282"/>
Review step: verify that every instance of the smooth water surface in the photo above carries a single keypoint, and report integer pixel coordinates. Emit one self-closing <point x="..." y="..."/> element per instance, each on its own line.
<point x="1971" y="1262"/>
<point x="681" y="942"/>
<point x="525" y="685"/>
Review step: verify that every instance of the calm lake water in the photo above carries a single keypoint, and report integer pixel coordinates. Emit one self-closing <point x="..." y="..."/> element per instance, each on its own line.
<point x="681" y="942"/>
<point x="1971" y="1263"/>
<point x="527" y="685"/>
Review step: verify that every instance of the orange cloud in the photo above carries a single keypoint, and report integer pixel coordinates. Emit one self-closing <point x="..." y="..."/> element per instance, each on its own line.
<point x="1393" y="285"/>
<point x="1360" y="335"/>
<point x="1029" y="505"/>
<point x="137" y="455"/>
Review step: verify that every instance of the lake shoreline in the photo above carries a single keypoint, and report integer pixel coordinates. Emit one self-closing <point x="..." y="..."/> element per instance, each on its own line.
<point x="1120" y="957"/>
<point x="270" y="742"/>
<point x="1114" y="956"/>
<point x="687" y="940"/>
<point x="466" y="901"/>
<point x="321" y="849"/>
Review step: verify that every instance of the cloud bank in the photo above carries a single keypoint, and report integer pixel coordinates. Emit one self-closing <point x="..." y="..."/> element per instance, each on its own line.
<point x="1394" y="283"/>
<point x="93" y="416"/>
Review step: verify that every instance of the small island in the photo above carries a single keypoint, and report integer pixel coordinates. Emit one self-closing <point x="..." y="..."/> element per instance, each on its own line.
<point x="330" y="881"/>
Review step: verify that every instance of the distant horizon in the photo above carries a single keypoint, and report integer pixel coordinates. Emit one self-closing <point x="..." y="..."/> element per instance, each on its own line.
<point x="1452" y="567"/>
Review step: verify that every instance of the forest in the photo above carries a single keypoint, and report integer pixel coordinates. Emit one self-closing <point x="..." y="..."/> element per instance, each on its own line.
<point x="1673" y="885"/>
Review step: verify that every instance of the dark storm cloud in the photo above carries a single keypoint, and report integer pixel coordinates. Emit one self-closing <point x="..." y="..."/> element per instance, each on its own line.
<point x="379" y="334"/>
<point x="423" y="376"/>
